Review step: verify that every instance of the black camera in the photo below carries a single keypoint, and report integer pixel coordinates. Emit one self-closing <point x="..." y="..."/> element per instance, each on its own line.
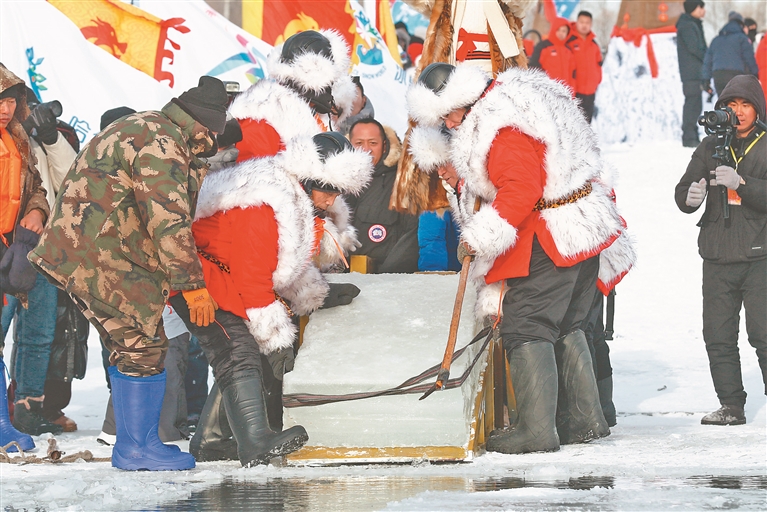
<point x="715" y="121"/>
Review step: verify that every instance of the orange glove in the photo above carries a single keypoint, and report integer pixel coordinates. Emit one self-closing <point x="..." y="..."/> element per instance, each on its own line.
<point x="201" y="305"/>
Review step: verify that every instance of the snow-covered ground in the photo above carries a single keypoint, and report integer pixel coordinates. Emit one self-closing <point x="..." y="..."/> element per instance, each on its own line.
<point x="658" y="457"/>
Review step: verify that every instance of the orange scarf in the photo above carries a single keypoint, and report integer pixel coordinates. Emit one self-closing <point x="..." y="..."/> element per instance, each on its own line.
<point x="10" y="182"/>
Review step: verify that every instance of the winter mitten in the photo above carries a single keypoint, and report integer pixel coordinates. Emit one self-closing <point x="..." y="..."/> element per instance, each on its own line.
<point x="202" y="307"/>
<point x="16" y="273"/>
<point x="44" y="121"/>
<point x="727" y="176"/>
<point x="340" y="294"/>
<point x="463" y="251"/>
<point x="696" y="193"/>
<point x="281" y="361"/>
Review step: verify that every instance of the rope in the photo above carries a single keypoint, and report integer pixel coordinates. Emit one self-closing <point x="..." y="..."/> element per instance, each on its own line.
<point x="24" y="458"/>
<point x="410" y="386"/>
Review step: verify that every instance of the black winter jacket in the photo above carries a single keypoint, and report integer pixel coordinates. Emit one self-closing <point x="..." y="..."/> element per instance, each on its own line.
<point x="730" y="50"/>
<point x="690" y="47"/>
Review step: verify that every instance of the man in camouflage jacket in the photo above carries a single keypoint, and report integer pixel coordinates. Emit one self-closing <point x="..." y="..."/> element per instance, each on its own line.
<point x="120" y="237"/>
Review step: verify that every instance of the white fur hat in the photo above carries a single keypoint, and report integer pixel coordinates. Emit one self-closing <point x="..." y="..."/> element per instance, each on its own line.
<point x="310" y="60"/>
<point x="463" y="87"/>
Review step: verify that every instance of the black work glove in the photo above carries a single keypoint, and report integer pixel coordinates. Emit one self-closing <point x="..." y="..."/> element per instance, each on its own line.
<point x="341" y="294"/>
<point x="43" y="120"/>
<point x="17" y="275"/>
<point x="281" y="361"/>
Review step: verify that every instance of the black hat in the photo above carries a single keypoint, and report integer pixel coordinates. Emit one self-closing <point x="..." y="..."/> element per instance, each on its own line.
<point x="435" y="76"/>
<point x="206" y="103"/>
<point x="305" y="42"/>
<point x="328" y="144"/>
<point x="112" y="115"/>
<point x="691" y="5"/>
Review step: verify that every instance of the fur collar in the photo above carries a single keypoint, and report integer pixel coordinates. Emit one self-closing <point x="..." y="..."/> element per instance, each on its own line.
<point x="287" y="112"/>
<point x="518" y="7"/>
<point x="312" y="71"/>
<point x="531" y="102"/>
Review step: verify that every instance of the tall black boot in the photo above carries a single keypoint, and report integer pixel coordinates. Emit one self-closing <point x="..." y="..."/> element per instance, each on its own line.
<point x="213" y="439"/>
<point x="246" y="411"/>
<point x="579" y="413"/>
<point x="605" y="387"/>
<point x="533" y="370"/>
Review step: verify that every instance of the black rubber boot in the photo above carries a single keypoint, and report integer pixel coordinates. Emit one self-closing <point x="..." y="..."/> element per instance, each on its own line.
<point x="28" y="418"/>
<point x="246" y="410"/>
<point x="605" y="388"/>
<point x="579" y="413"/>
<point x="725" y="415"/>
<point x="213" y="439"/>
<point x="533" y="370"/>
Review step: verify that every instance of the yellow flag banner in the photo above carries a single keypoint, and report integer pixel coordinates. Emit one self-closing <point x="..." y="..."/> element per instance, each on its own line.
<point x="128" y="33"/>
<point x="385" y="25"/>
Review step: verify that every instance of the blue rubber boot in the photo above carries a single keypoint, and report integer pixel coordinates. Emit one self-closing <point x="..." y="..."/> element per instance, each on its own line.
<point x="8" y="432"/>
<point x="137" y="402"/>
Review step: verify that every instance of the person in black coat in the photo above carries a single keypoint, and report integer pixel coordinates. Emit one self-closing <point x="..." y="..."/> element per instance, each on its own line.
<point x="734" y="250"/>
<point x="388" y="237"/>
<point x="691" y="48"/>
<point x="731" y="54"/>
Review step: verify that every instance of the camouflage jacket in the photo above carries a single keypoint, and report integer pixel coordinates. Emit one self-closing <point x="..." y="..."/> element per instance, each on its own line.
<point x="120" y="234"/>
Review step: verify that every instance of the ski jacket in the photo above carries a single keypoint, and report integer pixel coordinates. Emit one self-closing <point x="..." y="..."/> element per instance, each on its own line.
<point x="120" y="237"/>
<point x="257" y="236"/>
<point x="730" y="50"/>
<point x="588" y="61"/>
<point x="381" y="229"/>
<point x="761" y="61"/>
<point x="554" y="57"/>
<point x="745" y="239"/>
<point x="690" y="47"/>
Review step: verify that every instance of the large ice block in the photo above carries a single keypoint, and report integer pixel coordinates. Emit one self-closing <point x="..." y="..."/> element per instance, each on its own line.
<point x="395" y="329"/>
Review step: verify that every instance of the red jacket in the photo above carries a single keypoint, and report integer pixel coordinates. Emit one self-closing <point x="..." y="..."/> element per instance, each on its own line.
<point x="554" y="57"/>
<point x="761" y="61"/>
<point x="515" y="168"/>
<point x="588" y="62"/>
<point x="259" y="139"/>
<point x="245" y="240"/>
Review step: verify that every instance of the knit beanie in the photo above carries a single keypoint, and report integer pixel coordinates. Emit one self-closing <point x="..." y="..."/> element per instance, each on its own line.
<point x="206" y="103"/>
<point x="691" y="5"/>
<point x="112" y="115"/>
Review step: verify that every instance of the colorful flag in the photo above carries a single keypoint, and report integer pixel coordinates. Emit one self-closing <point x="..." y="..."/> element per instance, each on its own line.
<point x="385" y="25"/>
<point x="126" y="32"/>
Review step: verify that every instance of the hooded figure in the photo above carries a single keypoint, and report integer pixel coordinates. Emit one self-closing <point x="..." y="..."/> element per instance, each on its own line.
<point x="522" y="147"/>
<point x="258" y="236"/>
<point x="731" y="53"/>
<point x="120" y="242"/>
<point x="734" y="249"/>
<point x="554" y="57"/>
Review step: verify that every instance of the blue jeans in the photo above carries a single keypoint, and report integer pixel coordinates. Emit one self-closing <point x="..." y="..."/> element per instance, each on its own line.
<point x="33" y="336"/>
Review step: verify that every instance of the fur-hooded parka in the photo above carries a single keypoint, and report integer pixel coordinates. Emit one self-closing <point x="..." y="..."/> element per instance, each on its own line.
<point x="276" y="182"/>
<point x="530" y="102"/>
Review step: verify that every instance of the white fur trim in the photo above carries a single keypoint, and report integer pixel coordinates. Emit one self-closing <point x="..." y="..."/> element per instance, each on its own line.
<point x="488" y="233"/>
<point x="287" y="112"/>
<point x="312" y="71"/>
<point x="339" y="233"/>
<point x="464" y="87"/>
<point x="307" y="292"/>
<point x="429" y="147"/>
<point x="264" y="181"/>
<point x="350" y="171"/>
<point x="271" y="327"/>
<point x="616" y="260"/>
<point x="489" y="299"/>
<point x="344" y="93"/>
<point x="544" y="109"/>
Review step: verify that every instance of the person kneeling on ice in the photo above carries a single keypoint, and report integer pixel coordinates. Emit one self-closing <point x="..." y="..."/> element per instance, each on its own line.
<point x="258" y="230"/>
<point x="523" y="148"/>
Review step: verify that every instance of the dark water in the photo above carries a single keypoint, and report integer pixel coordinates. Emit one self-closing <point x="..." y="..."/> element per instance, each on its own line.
<point x="374" y="492"/>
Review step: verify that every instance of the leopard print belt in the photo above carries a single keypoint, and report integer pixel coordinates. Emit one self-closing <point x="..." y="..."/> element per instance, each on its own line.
<point x="543" y="204"/>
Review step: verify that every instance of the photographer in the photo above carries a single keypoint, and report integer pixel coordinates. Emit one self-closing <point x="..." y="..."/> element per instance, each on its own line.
<point x="732" y="240"/>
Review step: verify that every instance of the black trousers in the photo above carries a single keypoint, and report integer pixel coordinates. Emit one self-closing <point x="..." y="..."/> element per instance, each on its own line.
<point x="595" y="335"/>
<point x="727" y="287"/>
<point x="693" y="105"/>
<point x="227" y="343"/>
<point x="587" y="105"/>
<point x="549" y="303"/>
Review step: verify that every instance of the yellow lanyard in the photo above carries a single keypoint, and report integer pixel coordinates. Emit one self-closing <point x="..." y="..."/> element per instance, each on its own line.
<point x="736" y="159"/>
